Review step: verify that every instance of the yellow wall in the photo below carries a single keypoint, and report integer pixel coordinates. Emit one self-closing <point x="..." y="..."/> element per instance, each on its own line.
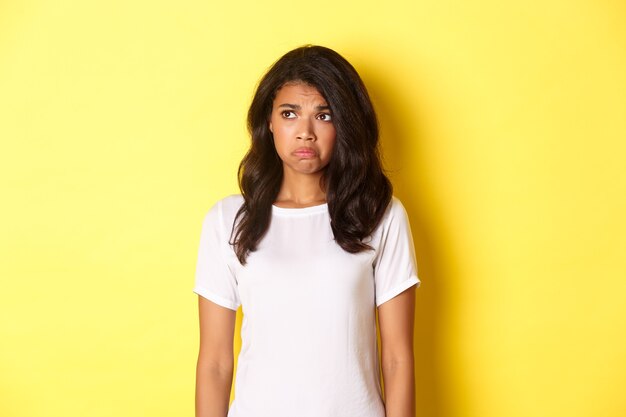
<point x="504" y="126"/>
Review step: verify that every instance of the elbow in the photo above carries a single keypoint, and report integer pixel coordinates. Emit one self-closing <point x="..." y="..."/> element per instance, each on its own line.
<point x="392" y="362"/>
<point x="219" y="366"/>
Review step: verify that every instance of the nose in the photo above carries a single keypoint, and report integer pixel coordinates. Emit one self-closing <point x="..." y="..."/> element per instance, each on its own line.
<point x="305" y="129"/>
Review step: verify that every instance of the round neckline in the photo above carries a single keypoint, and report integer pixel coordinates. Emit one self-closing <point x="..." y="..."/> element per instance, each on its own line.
<point x="319" y="208"/>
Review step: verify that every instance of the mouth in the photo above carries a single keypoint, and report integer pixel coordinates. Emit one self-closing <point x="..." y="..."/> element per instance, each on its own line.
<point x="305" y="152"/>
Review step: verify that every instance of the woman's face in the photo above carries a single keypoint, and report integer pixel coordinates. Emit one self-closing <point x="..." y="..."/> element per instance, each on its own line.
<point x="304" y="133"/>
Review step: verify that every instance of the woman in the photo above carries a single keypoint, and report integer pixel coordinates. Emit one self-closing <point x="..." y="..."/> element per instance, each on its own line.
<point x="313" y="247"/>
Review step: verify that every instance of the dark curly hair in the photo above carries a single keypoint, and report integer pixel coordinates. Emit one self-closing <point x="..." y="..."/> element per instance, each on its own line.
<point x="357" y="190"/>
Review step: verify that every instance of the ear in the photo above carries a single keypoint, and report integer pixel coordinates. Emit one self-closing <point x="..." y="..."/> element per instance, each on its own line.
<point x="271" y="127"/>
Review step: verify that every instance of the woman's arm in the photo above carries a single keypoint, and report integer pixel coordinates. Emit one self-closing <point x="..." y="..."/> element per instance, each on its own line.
<point x="396" y="318"/>
<point x="214" y="370"/>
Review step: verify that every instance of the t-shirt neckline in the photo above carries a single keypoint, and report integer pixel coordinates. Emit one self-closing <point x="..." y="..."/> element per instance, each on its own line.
<point x="320" y="208"/>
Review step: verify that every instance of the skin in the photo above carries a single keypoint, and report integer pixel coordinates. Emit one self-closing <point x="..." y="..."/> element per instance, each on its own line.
<point x="300" y="118"/>
<point x="396" y="320"/>
<point x="214" y="368"/>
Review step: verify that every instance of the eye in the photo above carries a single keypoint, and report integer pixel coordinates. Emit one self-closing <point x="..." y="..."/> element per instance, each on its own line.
<point x="288" y="114"/>
<point x="325" y="117"/>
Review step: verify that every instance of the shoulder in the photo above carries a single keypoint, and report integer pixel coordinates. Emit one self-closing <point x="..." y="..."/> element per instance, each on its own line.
<point x="223" y="211"/>
<point x="395" y="220"/>
<point x="395" y="211"/>
<point x="230" y="204"/>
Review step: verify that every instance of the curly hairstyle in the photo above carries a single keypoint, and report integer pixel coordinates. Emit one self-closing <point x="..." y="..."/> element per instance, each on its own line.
<point x="357" y="190"/>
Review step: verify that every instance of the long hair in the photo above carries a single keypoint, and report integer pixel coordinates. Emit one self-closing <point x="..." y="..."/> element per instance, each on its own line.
<point x="357" y="190"/>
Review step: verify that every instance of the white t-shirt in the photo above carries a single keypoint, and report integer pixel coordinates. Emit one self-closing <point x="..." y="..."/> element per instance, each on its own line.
<point x="308" y="333"/>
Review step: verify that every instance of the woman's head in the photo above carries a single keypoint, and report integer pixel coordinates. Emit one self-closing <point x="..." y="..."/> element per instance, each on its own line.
<point x="337" y="82"/>
<point x="357" y="190"/>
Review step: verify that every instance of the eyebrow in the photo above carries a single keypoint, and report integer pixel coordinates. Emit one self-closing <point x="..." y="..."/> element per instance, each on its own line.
<point x="297" y="107"/>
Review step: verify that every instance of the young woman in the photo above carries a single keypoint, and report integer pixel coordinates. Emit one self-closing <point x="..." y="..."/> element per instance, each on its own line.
<point x="313" y="247"/>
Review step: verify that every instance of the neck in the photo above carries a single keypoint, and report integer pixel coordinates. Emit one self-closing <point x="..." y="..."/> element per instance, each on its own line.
<point x="300" y="190"/>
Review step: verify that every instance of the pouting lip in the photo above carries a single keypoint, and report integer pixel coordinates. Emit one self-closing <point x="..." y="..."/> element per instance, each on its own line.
<point x="305" y="150"/>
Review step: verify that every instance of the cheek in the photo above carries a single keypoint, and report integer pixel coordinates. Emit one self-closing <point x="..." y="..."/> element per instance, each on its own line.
<point x="330" y="138"/>
<point x="280" y="142"/>
<point x="281" y="131"/>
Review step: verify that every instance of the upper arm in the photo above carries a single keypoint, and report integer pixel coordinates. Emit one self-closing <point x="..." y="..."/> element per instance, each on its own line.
<point x="217" y="328"/>
<point x="396" y="320"/>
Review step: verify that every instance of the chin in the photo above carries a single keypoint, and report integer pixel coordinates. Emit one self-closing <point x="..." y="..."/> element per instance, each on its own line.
<point x="310" y="171"/>
<point x="307" y="171"/>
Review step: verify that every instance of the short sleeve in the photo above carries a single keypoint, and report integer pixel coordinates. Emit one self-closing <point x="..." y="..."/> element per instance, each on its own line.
<point x="395" y="268"/>
<point x="214" y="279"/>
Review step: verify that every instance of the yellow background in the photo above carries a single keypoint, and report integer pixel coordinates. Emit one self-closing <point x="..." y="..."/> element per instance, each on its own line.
<point x="504" y="130"/>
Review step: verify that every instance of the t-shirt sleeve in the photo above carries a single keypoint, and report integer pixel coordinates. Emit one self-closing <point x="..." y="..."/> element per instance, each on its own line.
<point x="395" y="268"/>
<point x="214" y="278"/>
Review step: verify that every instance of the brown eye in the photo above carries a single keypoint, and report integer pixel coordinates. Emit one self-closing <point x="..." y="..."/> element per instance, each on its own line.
<point x="325" y="117"/>
<point x="288" y="114"/>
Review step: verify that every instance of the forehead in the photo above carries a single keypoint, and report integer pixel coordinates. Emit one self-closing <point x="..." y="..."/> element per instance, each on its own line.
<point x="297" y="91"/>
